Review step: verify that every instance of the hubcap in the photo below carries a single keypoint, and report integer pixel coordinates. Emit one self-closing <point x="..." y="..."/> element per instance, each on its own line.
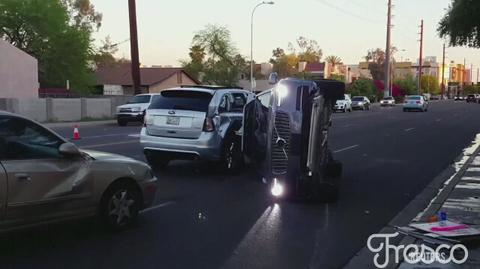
<point x="119" y="208"/>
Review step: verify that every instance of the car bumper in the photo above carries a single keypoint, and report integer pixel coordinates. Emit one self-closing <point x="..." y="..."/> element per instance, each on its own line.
<point x="338" y="108"/>
<point x="137" y="116"/>
<point x="206" y="147"/>
<point x="356" y="106"/>
<point x="412" y="106"/>
<point x="149" y="190"/>
<point x="387" y="104"/>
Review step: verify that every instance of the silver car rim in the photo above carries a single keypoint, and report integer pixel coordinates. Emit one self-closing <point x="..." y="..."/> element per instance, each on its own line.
<point x="120" y="207"/>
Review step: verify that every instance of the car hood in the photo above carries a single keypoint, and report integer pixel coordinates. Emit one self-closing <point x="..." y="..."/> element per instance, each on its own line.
<point x="105" y="156"/>
<point x="141" y="105"/>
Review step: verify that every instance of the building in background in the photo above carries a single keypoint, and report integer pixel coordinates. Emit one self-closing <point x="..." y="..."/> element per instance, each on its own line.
<point x="18" y="73"/>
<point x="117" y="80"/>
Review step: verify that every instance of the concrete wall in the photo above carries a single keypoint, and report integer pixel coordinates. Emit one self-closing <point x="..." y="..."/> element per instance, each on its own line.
<point x="18" y="73"/>
<point x="64" y="109"/>
<point x="96" y="108"/>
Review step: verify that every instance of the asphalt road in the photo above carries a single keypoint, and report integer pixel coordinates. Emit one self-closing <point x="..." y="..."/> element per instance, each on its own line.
<point x="204" y="219"/>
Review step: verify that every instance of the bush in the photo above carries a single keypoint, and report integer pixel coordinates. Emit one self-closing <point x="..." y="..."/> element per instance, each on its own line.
<point x="363" y="87"/>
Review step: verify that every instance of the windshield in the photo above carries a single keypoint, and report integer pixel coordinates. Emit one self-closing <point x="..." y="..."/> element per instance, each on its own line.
<point x="414" y="97"/>
<point x="388" y="98"/>
<point x="182" y="100"/>
<point x="358" y="99"/>
<point x="140" y="99"/>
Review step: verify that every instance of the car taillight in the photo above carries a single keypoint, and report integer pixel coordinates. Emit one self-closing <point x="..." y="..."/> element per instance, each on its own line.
<point x="418" y="102"/>
<point x="208" y="125"/>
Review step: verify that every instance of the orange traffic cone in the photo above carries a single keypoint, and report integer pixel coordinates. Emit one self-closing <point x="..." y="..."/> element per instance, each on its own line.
<point x="76" y="133"/>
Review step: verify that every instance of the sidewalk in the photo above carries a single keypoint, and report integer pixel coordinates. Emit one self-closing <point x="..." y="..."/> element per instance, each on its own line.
<point x="456" y="191"/>
<point x="460" y="199"/>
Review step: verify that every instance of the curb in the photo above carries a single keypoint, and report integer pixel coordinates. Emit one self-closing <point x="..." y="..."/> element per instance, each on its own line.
<point x="79" y="123"/>
<point x="429" y="200"/>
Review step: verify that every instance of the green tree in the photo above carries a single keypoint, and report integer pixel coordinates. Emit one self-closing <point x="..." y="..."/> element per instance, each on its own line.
<point x="309" y="50"/>
<point x="333" y="60"/>
<point x="430" y="84"/>
<point x="105" y="54"/>
<point x="337" y="77"/>
<point x="45" y="30"/>
<point x="408" y="84"/>
<point x="285" y="65"/>
<point x="461" y="24"/>
<point x="363" y="87"/>
<point x="194" y="66"/>
<point x="224" y="64"/>
<point x="471" y="89"/>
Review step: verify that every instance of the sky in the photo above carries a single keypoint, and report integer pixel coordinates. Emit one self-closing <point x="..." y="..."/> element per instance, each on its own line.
<point x="346" y="28"/>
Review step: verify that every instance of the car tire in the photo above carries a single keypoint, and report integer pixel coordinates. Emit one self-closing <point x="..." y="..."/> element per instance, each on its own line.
<point x="231" y="158"/>
<point x="122" y="122"/>
<point x="120" y="206"/>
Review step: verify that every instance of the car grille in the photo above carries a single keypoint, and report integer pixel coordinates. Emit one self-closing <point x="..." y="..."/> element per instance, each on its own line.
<point x="280" y="152"/>
<point x="125" y="110"/>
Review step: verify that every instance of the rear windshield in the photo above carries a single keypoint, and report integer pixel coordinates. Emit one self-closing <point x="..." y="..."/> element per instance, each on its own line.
<point x="413" y="97"/>
<point x="357" y="99"/>
<point x="140" y="99"/>
<point x="182" y="100"/>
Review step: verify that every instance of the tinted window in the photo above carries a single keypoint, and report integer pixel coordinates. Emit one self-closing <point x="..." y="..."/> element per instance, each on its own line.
<point x="357" y="99"/>
<point x="182" y="100"/>
<point x="21" y="140"/>
<point x="140" y="99"/>
<point x="413" y="97"/>
<point x="388" y="98"/>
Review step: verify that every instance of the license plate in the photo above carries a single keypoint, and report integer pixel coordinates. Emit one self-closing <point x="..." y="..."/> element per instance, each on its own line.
<point x="173" y="120"/>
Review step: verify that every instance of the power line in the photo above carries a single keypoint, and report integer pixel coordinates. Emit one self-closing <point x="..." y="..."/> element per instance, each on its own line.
<point x="348" y="12"/>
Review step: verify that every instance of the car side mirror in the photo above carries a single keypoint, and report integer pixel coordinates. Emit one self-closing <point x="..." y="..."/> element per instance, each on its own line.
<point x="69" y="149"/>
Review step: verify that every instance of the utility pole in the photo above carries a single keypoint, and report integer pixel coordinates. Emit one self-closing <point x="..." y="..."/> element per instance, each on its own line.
<point x="134" y="46"/>
<point x="420" y="60"/>
<point x="443" y="71"/>
<point x="464" y="73"/>
<point x="478" y="74"/>
<point x="387" y="90"/>
<point x="471" y="73"/>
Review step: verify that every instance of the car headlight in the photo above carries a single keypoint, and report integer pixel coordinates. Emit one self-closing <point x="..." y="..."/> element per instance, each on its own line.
<point x="277" y="188"/>
<point x="360" y="103"/>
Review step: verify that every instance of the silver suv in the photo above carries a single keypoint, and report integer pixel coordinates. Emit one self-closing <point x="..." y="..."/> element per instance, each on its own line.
<point x="195" y="122"/>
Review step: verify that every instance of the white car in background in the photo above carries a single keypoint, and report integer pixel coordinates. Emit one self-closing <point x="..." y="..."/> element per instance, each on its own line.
<point x="344" y="105"/>
<point x="133" y="110"/>
<point x="388" y="101"/>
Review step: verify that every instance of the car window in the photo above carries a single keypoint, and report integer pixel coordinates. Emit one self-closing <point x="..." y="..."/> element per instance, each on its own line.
<point x="23" y="140"/>
<point x="358" y="99"/>
<point x="182" y="100"/>
<point x="140" y="99"/>
<point x="239" y="101"/>
<point x="224" y="105"/>
<point x="265" y="98"/>
<point x="413" y="98"/>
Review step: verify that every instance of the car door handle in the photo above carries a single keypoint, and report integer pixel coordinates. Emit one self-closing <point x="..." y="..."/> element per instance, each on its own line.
<point x="23" y="177"/>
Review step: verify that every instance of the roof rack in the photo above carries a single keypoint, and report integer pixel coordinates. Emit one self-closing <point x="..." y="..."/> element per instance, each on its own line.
<point x="211" y="87"/>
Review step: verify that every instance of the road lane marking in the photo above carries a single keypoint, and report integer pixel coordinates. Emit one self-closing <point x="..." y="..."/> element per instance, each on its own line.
<point x="409" y="129"/>
<point x="157" y="206"/>
<point x="438" y="120"/>
<point x="108" y="144"/>
<point x="345" y="149"/>
<point x="134" y="135"/>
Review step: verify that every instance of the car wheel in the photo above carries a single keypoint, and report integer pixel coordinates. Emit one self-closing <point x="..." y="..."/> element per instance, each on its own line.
<point x="120" y="206"/>
<point x="157" y="161"/>
<point x="122" y="122"/>
<point x="231" y="154"/>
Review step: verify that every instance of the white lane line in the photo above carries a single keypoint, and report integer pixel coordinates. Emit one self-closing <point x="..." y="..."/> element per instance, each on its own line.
<point x="345" y="149"/>
<point x="134" y="135"/>
<point x="108" y="144"/>
<point x="409" y="129"/>
<point x="158" y="206"/>
<point x="438" y="120"/>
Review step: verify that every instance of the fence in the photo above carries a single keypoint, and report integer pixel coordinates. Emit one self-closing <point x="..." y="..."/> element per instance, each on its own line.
<point x="64" y="109"/>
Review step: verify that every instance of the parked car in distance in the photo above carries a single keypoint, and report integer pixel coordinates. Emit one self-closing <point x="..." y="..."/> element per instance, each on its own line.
<point x="134" y="109"/>
<point x="436" y="97"/>
<point x="344" y="104"/>
<point x="195" y="122"/>
<point x="44" y="179"/>
<point x="415" y="102"/>
<point x="360" y="102"/>
<point x="473" y="98"/>
<point x="387" y="101"/>
<point x="459" y="98"/>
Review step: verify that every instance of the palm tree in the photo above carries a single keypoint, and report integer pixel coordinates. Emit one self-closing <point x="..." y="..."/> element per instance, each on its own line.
<point x="333" y="60"/>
